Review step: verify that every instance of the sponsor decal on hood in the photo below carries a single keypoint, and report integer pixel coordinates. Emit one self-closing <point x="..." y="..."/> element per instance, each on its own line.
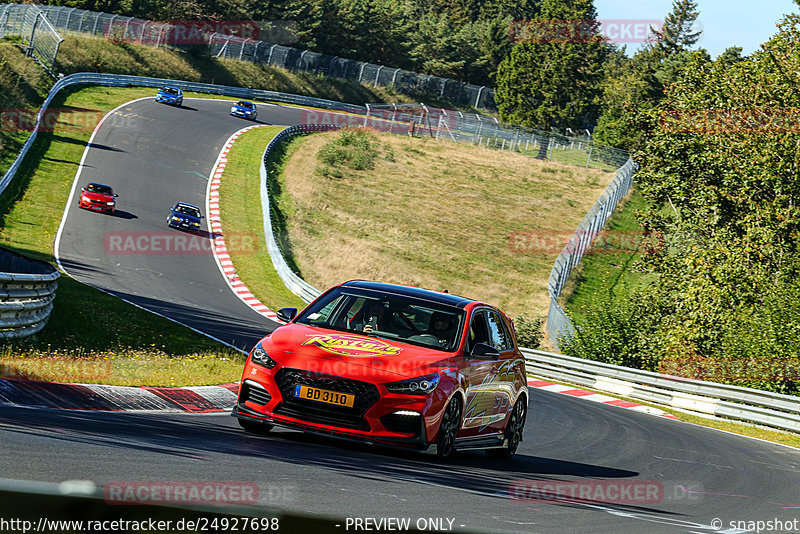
<point x="345" y="345"/>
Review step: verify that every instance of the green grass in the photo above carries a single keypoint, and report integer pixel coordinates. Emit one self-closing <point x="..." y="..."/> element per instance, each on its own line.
<point x="573" y="156"/>
<point x="243" y="228"/>
<point x="609" y="267"/>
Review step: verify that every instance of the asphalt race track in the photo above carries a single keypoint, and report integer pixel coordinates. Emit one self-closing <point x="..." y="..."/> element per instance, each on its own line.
<point x="154" y="155"/>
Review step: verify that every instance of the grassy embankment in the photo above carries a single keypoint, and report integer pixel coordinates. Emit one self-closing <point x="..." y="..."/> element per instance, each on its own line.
<point x="474" y="221"/>
<point x="92" y="337"/>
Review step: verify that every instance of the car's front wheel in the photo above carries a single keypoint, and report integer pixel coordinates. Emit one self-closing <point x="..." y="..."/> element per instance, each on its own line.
<point x="255" y="427"/>
<point x="448" y="430"/>
<point x="514" y="430"/>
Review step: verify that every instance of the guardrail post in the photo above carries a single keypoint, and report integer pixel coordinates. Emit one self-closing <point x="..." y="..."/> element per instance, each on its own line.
<point x="376" y="76"/>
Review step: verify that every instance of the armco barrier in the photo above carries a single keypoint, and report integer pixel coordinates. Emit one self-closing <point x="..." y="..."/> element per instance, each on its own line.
<point x="26" y="296"/>
<point x="296" y="284"/>
<point x="735" y="402"/>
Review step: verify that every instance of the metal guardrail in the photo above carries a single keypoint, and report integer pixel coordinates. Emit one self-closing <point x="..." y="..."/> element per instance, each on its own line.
<point x="295" y="283"/>
<point x="724" y="400"/>
<point x="27" y="290"/>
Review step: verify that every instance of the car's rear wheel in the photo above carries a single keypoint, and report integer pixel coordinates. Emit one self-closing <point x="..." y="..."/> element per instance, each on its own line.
<point x="448" y="430"/>
<point x="514" y="430"/>
<point x="255" y="427"/>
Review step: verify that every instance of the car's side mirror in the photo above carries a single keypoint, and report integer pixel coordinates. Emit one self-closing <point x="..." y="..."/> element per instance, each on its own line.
<point x="83" y="189"/>
<point x="483" y="351"/>
<point x="286" y="314"/>
<point x="115" y="195"/>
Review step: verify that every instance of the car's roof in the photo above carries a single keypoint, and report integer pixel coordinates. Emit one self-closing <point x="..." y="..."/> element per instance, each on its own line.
<point x="171" y="87"/>
<point x="98" y="183"/>
<point x="187" y="205"/>
<point x="427" y="294"/>
<point x="245" y="102"/>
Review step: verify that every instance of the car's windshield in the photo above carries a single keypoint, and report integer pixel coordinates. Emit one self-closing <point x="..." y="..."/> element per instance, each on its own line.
<point x="188" y="210"/>
<point x="100" y="188"/>
<point x="170" y="90"/>
<point x="244" y="104"/>
<point x="389" y="316"/>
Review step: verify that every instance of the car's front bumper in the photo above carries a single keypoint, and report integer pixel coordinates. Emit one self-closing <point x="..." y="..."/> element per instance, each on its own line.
<point x="418" y="442"/>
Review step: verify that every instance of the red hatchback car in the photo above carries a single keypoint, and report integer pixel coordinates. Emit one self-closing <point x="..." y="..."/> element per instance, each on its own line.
<point x="392" y="365"/>
<point x="98" y="197"/>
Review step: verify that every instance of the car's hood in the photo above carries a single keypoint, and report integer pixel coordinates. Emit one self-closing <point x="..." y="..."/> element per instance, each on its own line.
<point x="99" y="197"/>
<point x="186" y="217"/>
<point x="241" y="108"/>
<point x="167" y="95"/>
<point x="351" y="355"/>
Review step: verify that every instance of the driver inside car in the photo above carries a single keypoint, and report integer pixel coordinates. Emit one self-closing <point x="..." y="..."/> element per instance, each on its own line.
<point x="374" y="317"/>
<point x="441" y="326"/>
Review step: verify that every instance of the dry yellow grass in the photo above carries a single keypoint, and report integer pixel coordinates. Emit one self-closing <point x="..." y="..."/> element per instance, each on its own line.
<point x="439" y="215"/>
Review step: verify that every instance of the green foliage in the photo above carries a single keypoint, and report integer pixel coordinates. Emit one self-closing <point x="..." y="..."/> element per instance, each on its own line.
<point x="622" y="332"/>
<point x="719" y="173"/>
<point x="465" y="39"/>
<point x="679" y="32"/>
<point x="554" y="82"/>
<point x="353" y="149"/>
<point x="529" y="331"/>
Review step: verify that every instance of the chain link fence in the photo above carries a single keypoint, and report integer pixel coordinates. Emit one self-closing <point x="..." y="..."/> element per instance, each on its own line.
<point x="558" y="324"/>
<point x="192" y="34"/>
<point x="486" y="131"/>
<point x="40" y="38"/>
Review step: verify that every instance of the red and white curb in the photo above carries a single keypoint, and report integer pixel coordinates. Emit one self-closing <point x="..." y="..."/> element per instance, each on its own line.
<point x="215" y="227"/>
<point x="194" y="399"/>
<point x="596" y="397"/>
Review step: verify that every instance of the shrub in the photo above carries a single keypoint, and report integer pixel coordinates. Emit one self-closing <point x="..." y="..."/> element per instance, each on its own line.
<point x="529" y="331"/>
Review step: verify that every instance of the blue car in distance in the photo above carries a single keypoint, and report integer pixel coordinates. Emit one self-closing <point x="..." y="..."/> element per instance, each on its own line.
<point x="170" y="95"/>
<point x="244" y="109"/>
<point x="185" y="217"/>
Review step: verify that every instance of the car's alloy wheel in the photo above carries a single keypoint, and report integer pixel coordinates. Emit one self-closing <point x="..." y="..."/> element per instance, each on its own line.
<point x="514" y="429"/>
<point x="255" y="427"/>
<point x="448" y="430"/>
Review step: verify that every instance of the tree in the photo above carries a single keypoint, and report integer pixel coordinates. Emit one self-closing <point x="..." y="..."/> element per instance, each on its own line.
<point x="552" y="77"/>
<point x="678" y="32"/>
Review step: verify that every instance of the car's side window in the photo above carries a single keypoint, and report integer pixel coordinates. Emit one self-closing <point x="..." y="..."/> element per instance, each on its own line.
<point x="500" y="339"/>
<point x="478" y="333"/>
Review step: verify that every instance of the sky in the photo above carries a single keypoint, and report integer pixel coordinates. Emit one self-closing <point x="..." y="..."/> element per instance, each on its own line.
<point x="725" y="23"/>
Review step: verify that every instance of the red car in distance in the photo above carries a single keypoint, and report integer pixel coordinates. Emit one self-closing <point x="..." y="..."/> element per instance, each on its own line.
<point x="391" y="365"/>
<point x="98" y="197"/>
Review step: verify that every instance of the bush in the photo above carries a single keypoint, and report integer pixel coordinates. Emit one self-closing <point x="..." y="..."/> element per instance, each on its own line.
<point x="354" y="149"/>
<point x="529" y="332"/>
<point x="620" y="333"/>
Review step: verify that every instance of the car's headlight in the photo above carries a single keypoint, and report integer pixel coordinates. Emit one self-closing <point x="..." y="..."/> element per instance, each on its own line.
<point x="176" y="219"/>
<point x="111" y="203"/>
<point x="422" y="385"/>
<point x="196" y="223"/>
<point x="233" y="109"/>
<point x="260" y="356"/>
